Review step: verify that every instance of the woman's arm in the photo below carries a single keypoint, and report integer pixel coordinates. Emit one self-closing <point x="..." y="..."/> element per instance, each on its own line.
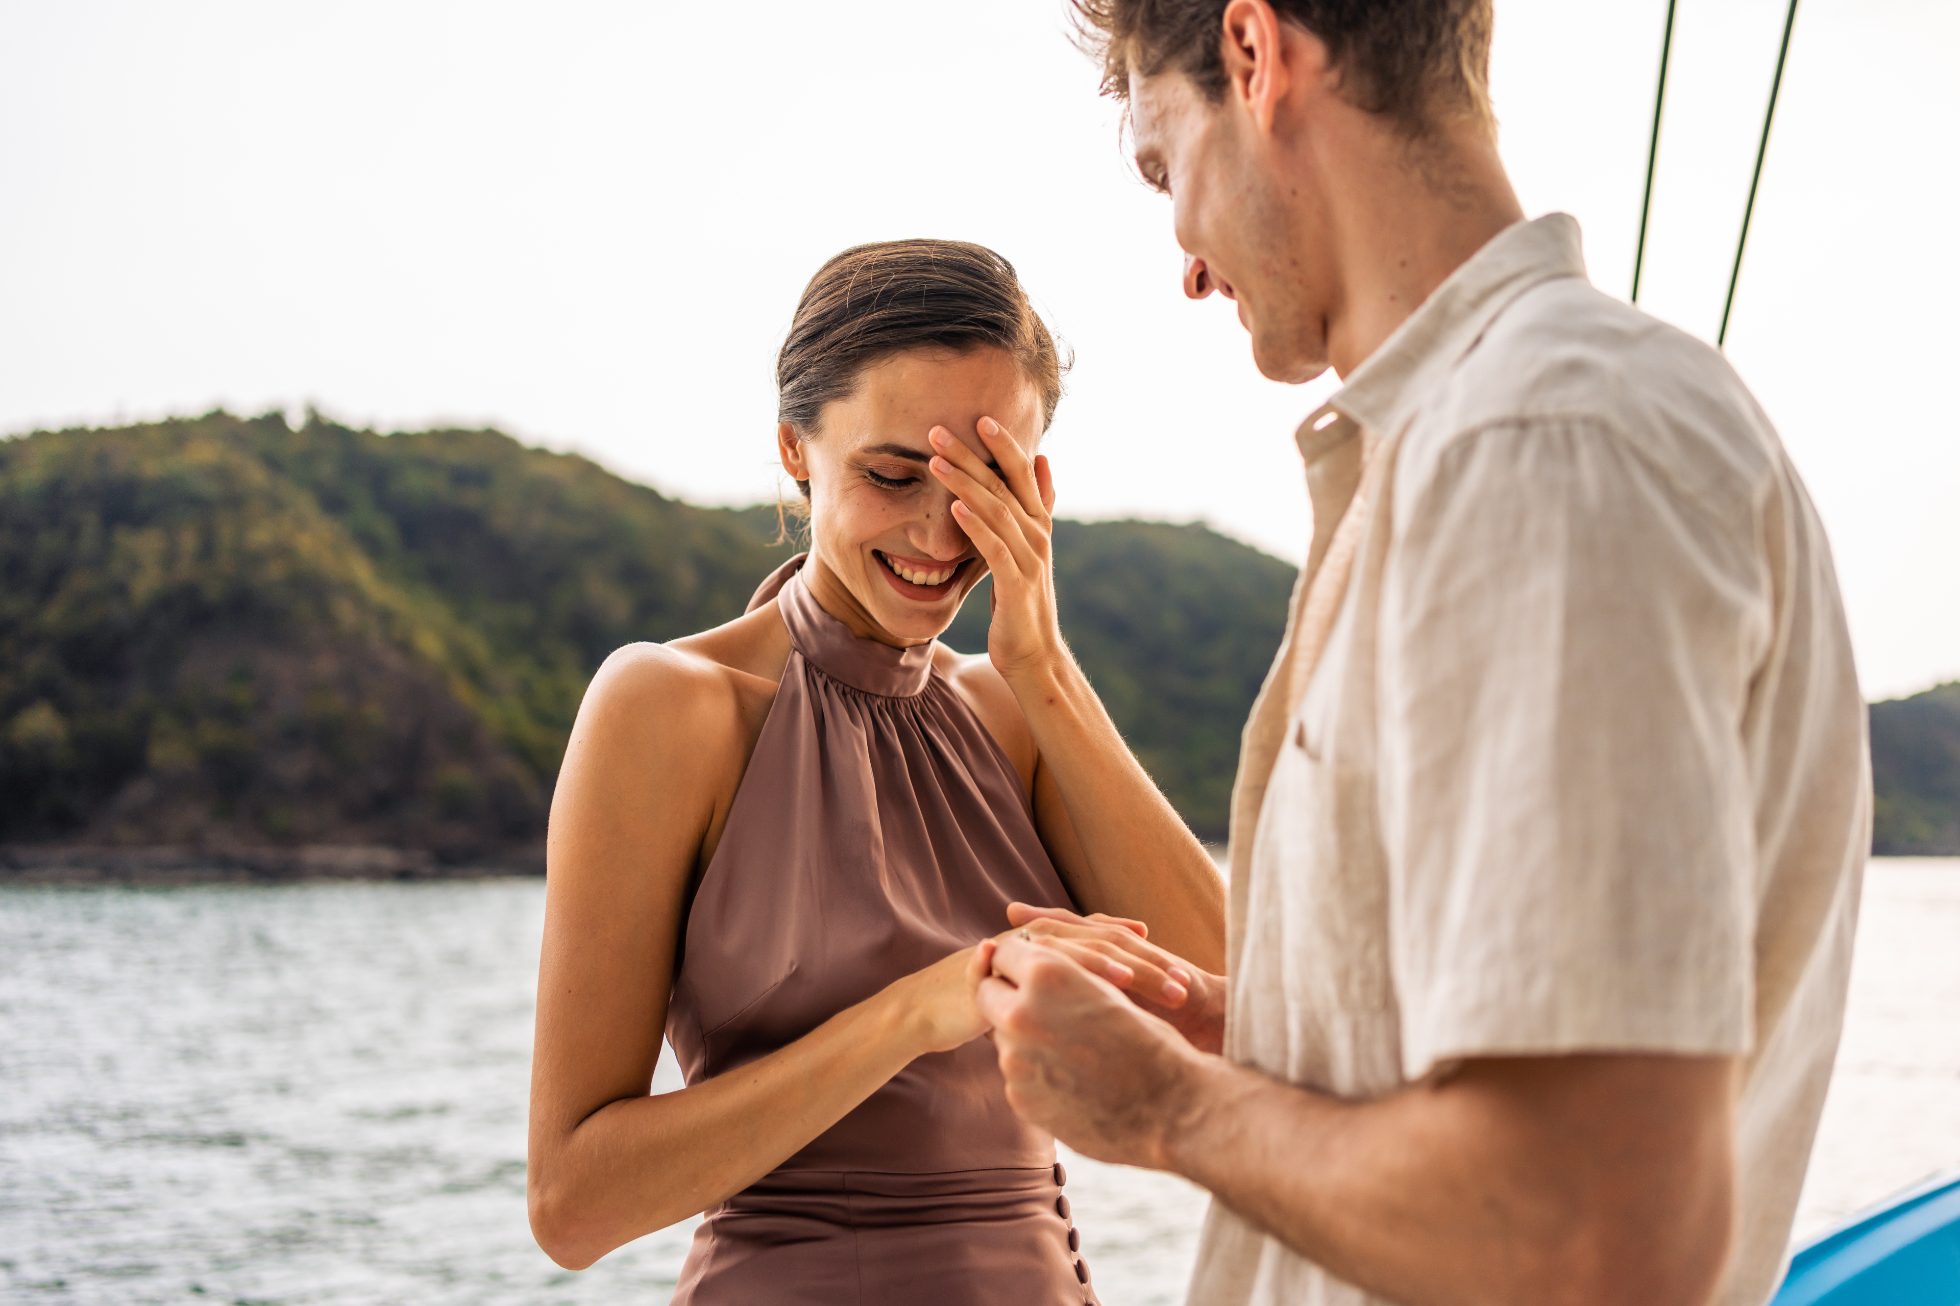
<point x="1113" y="834"/>
<point x="653" y="749"/>
<point x="1122" y="845"/>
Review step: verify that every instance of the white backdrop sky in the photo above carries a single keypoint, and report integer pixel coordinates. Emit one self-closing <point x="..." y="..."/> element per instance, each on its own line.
<point x="587" y="223"/>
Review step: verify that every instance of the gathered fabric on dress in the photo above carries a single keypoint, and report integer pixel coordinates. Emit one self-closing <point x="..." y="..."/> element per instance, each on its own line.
<point x="878" y="827"/>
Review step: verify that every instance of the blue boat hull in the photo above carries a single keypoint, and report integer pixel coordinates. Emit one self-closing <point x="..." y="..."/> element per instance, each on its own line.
<point x="1905" y="1252"/>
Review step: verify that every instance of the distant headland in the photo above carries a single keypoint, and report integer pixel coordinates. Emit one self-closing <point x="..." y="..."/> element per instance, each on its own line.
<point x="230" y="648"/>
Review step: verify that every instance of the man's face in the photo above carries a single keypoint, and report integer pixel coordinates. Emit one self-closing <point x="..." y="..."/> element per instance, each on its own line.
<point x="1248" y="218"/>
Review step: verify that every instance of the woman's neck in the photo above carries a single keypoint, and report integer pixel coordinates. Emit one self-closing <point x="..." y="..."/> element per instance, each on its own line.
<point x="836" y="598"/>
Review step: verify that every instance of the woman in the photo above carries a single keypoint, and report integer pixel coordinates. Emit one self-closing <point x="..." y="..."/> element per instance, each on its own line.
<point x="788" y="840"/>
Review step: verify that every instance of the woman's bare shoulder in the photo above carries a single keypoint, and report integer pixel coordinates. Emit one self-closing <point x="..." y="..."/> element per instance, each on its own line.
<point x="700" y="691"/>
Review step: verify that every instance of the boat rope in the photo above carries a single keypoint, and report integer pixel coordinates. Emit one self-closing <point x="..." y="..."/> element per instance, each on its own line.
<point x="1653" y="152"/>
<point x="1749" y="210"/>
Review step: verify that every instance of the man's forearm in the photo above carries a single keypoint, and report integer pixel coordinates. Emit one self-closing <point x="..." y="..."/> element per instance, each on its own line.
<point x="1144" y="861"/>
<point x="1470" y="1191"/>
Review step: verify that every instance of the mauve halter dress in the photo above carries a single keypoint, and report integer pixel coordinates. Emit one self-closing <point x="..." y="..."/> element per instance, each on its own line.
<point x="878" y="827"/>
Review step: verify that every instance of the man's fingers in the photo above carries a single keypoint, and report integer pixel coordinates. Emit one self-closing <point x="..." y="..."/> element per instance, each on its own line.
<point x="982" y="963"/>
<point x="996" y="998"/>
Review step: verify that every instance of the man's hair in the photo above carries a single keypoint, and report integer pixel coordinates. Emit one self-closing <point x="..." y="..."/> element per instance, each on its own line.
<point x="1407" y="60"/>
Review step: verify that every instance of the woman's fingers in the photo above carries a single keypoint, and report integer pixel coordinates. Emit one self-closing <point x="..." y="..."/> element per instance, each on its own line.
<point x="1089" y="954"/>
<point x="1161" y="978"/>
<point x="993" y="512"/>
<point x="1113" y="969"/>
<point x="963" y="456"/>
<point x="999" y="557"/>
<point x="1015" y="468"/>
<point x="1044" y="480"/>
<point x="1026" y="513"/>
<point x="1020" y="913"/>
<point x="1142" y="979"/>
<point x="1173" y="967"/>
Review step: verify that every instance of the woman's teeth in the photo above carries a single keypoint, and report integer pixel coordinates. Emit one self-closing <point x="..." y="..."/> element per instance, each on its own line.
<point x="936" y="577"/>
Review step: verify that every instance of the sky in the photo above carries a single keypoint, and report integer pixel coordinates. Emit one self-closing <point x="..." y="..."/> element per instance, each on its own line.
<point x="587" y="224"/>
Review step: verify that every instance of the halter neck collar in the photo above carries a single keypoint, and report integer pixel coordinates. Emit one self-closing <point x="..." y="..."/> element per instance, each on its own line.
<point x="830" y="646"/>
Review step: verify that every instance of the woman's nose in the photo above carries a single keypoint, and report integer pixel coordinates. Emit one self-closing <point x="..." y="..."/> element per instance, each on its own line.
<point x="939" y="535"/>
<point x="1197" y="280"/>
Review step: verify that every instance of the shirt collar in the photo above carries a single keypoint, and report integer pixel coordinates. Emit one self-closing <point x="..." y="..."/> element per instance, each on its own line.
<point x="1381" y="393"/>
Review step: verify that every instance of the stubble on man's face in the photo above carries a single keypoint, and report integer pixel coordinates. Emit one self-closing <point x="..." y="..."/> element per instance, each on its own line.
<point x="1238" y="210"/>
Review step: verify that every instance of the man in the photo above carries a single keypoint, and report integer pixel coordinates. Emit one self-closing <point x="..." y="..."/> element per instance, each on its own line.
<point x="1551" y="815"/>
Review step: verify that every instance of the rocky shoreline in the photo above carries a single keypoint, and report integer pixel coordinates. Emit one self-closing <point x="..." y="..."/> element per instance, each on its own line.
<point x="248" y="864"/>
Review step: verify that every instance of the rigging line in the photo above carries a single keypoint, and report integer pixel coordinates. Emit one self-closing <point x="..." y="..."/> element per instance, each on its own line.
<point x="1749" y="211"/>
<point x="1653" y="152"/>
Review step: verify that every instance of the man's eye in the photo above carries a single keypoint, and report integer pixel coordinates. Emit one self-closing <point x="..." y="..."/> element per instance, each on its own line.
<point x="888" y="482"/>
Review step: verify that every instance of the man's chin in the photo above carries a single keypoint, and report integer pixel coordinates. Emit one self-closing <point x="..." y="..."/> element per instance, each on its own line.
<point x="1286" y="365"/>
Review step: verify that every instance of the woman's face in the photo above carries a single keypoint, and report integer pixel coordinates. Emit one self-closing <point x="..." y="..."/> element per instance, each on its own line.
<point x="886" y="553"/>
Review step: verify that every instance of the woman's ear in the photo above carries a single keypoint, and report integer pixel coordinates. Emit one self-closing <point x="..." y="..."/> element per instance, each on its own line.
<point x="789" y="449"/>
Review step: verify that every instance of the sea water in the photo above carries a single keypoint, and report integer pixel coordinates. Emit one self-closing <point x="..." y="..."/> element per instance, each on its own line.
<point x="316" y="1093"/>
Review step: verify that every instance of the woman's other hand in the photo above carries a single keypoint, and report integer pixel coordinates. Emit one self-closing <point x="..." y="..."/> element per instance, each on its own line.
<point x="1008" y="514"/>
<point x="936" y="1003"/>
<point x="1191" y="1000"/>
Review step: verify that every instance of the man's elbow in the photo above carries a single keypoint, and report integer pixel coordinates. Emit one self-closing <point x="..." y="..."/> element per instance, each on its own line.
<point x="1677" y="1252"/>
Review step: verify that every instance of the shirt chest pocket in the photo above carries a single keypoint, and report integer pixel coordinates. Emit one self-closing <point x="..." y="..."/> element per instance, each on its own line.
<point x="1305" y="740"/>
<point x="1320" y="867"/>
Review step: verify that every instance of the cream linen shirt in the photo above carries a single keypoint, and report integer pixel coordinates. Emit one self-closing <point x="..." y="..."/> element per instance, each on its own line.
<point x="1563" y="751"/>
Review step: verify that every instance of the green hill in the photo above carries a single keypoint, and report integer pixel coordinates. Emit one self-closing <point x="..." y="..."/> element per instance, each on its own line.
<point x="1916" y="773"/>
<point x="221" y="632"/>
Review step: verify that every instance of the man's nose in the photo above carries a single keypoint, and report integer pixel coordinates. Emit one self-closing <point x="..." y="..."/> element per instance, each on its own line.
<point x="1197" y="280"/>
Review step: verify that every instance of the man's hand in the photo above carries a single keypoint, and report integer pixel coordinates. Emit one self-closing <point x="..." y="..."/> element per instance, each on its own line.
<point x="1190" y="1000"/>
<point x="1079" y="1058"/>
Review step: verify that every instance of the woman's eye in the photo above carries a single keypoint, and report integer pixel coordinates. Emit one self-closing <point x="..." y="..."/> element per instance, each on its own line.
<point x="888" y="482"/>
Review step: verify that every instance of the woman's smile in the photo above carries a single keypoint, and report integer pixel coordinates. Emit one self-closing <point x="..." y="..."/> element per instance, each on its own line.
<point x="921" y="579"/>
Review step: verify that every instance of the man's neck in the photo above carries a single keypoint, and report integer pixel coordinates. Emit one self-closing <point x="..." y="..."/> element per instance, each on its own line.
<point x="1403" y="237"/>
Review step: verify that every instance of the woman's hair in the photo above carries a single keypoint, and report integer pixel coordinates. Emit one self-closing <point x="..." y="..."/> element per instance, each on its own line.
<point x="873" y="301"/>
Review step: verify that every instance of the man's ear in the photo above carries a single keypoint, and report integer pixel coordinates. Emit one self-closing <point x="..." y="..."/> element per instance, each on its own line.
<point x="1262" y="55"/>
<point x="789" y="449"/>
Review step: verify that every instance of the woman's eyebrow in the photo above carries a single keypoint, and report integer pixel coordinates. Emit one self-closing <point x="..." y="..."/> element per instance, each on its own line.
<point x="911" y="454"/>
<point x="899" y="451"/>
